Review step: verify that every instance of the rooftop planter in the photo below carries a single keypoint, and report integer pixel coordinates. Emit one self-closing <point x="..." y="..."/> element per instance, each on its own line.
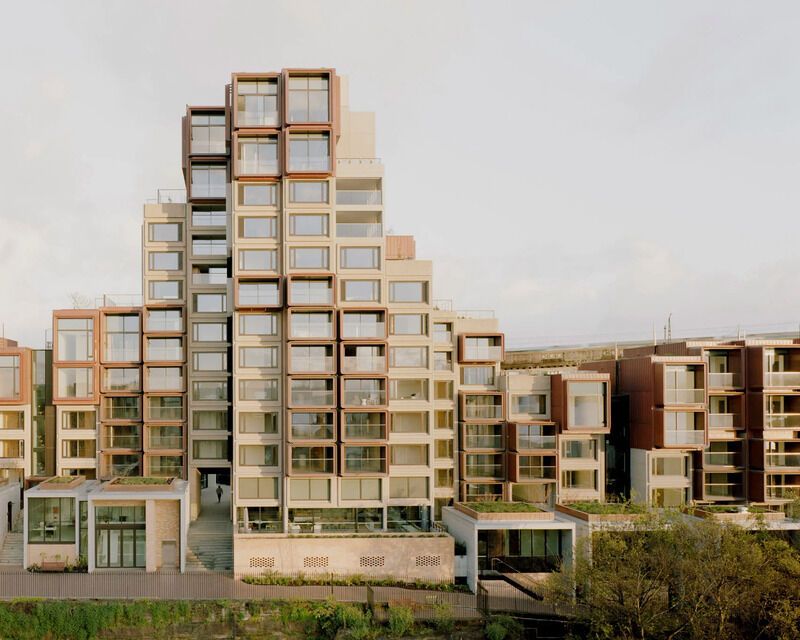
<point x="61" y="483"/>
<point x="503" y="511"/>
<point x="730" y="513"/>
<point x="593" y="512"/>
<point x="137" y="483"/>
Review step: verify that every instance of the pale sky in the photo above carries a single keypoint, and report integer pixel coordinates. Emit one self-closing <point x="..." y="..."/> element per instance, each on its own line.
<point x="582" y="168"/>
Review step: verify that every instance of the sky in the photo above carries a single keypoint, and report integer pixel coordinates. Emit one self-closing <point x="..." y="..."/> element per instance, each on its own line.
<point x="585" y="169"/>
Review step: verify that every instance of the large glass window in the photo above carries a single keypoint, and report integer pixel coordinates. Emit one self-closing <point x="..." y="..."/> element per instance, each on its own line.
<point x="409" y="324"/>
<point x="12" y="420"/>
<point x="210" y="302"/>
<point x="308" y="99"/>
<point x="51" y="520"/>
<point x="258" y="357"/>
<point x="361" y="489"/>
<point x="208" y="133"/>
<point x="312" y="426"/>
<point x="164" y="320"/>
<point x="164" y="379"/>
<point x="258" y="422"/>
<point x="257" y="102"/>
<point x="582" y="449"/>
<point x="309" y="151"/>
<point x="122" y="338"/>
<point x="359" y="257"/>
<point x="258" y="324"/>
<point x="120" y="539"/>
<point x="311" y="392"/>
<point x="210" y="449"/>
<point x="309" y="257"/>
<point x="165" y="260"/>
<point x="258" y="259"/>
<point x="308" y="191"/>
<point x="263" y="488"/>
<point x="9" y="377"/>
<point x="209" y="331"/>
<point x="306" y="291"/>
<point x="164" y="349"/>
<point x="124" y="408"/>
<point x="408" y="357"/>
<point x="408" y="292"/>
<point x="258" y="156"/>
<point x="259" y="293"/>
<point x="210" y="390"/>
<point x="408" y="487"/>
<point x="308" y="489"/>
<point x="210" y="420"/>
<point x="361" y="290"/>
<point x="266" y="390"/>
<point x="209" y="216"/>
<point x="259" y="519"/>
<point x="75" y="339"/>
<point x="165" y="232"/>
<point x="127" y="379"/>
<point x="165" y="408"/>
<point x="78" y="420"/>
<point x="208" y="181"/>
<point x="258" y="195"/>
<point x="308" y="224"/>
<point x="311" y="324"/>
<point x="166" y="289"/>
<point x="478" y="376"/>
<point x="586" y="404"/>
<point x="75" y="382"/>
<point x="78" y="448"/>
<point x="312" y="459"/>
<point x="258" y="455"/>
<point x="258" y="227"/>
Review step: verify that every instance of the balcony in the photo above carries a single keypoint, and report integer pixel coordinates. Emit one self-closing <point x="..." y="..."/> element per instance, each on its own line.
<point x="165" y="354"/>
<point x="782" y="379"/>
<point x="257" y="167"/>
<point x="358" y="197"/>
<point x="313" y="431"/>
<point x="209" y="218"/>
<point x="727" y="380"/>
<point x="312" y="460"/>
<point x="684" y="396"/>
<point x="364" y="398"/>
<point x="359" y="229"/>
<point x="364" y="460"/>
<point x="782" y="420"/>
<point x="305" y="295"/>
<point x="262" y="294"/>
<point x="129" y="354"/>
<point x="210" y="247"/>
<point x="164" y="324"/>
<point x="366" y="431"/>
<point x="162" y="469"/>
<point x="724" y="490"/>
<point x="312" y="398"/>
<point x="363" y="364"/>
<point x="483" y="353"/>
<point x="684" y="437"/>
<point x="210" y="278"/>
<point x="310" y="328"/>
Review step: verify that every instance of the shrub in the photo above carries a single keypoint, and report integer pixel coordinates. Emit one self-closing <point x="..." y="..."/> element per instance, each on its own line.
<point x="443" y="617"/>
<point x="401" y="620"/>
<point x="503" y="628"/>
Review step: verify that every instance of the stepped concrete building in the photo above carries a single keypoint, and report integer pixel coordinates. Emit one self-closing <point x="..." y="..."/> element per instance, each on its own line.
<point x="286" y="395"/>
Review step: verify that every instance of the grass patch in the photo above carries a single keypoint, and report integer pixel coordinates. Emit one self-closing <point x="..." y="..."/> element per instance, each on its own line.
<point x="59" y="480"/>
<point x="607" y="508"/>
<point x="502" y="507"/>
<point x="148" y="480"/>
<point x="271" y="578"/>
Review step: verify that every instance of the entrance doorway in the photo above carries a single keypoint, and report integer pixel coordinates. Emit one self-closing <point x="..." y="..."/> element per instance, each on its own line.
<point x="215" y="494"/>
<point x="10" y="516"/>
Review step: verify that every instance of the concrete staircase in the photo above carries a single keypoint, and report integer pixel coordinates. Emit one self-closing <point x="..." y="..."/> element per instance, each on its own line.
<point x="11" y="549"/>
<point x="210" y="545"/>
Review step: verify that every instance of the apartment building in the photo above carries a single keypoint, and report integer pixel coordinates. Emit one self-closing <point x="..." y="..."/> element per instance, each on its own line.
<point x="711" y="420"/>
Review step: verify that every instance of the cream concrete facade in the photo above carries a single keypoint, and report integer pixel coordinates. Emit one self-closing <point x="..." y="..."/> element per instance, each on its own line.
<point x="411" y="557"/>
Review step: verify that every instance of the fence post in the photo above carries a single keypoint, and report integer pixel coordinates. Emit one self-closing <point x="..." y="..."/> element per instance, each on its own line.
<point x="483" y="600"/>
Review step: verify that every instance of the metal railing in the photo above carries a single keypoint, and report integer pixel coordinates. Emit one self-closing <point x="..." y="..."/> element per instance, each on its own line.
<point x="365" y="431"/>
<point x="782" y="420"/>
<point x="210" y="247"/>
<point x="312" y="297"/>
<point x="165" y="324"/>
<point x="312" y="465"/>
<point x="370" y="465"/>
<point x="537" y="472"/>
<point x="166" y="442"/>
<point x="209" y="278"/>
<point x="358" y="197"/>
<point x="119" y="300"/>
<point x="722" y="421"/>
<point x="363" y="329"/>
<point x="121" y="442"/>
<point x="311" y="364"/>
<point x="359" y="229"/>
<point x="782" y="459"/>
<point x="483" y="353"/>
<point x="782" y="379"/>
<point x="366" y="364"/>
<point x="492" y="470"/>
<point x="313" y="432"/>
<point x="257" y="167"/>
<point x="312" y="398"/>
<point x="258" y="298"/>
<point x="311" y="330"/>
<point x="483" y="412"/>
<point x="723" y="490"/>
<point x="722" y="459"/>
<point x="536" y="442"/>
<point x="684" y="396"/>
<point x="684" y="436"/>
<point x="724" y="380"/>
<point x="364" y="398"/>
<point x="483" y="441"/>
<point x="168" y="196"/>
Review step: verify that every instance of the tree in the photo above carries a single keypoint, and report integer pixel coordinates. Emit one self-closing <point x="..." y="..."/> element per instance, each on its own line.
<point x="674" y="577"/>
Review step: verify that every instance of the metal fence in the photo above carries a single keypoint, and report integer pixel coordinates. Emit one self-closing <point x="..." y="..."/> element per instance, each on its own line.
<point x="138" y="585"/>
